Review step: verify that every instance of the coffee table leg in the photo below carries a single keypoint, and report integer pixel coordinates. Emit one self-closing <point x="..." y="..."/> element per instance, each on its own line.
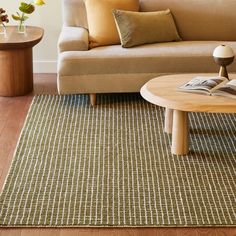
<point x="180" y="133"/>
<point x="168" y="120"/>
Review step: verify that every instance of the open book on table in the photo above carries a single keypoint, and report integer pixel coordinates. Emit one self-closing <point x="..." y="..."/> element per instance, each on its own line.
<point x="216" y="86"/>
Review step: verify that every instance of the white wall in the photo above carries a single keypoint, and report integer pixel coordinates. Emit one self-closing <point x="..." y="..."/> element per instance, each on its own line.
<point x="49" y="18"/>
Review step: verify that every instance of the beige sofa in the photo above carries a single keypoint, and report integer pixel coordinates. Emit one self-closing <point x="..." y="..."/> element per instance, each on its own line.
<point x="202" y="24"/>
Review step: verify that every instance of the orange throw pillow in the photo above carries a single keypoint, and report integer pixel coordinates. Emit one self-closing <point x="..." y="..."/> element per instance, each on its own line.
<point x="101" y="24"/>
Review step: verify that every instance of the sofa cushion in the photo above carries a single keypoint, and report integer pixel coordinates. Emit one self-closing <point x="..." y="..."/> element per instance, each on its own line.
<point x="102" y="28"/>
<point x="137" y="28"/>
<point x="199" y="19"/>
<point x="174" y="57"/>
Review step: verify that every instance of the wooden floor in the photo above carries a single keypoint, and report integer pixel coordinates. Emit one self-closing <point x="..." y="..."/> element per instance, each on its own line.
<point x="12" y="115"/>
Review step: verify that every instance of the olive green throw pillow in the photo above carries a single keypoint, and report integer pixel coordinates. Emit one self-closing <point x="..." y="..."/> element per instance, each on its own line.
<point x="136" y="28"/>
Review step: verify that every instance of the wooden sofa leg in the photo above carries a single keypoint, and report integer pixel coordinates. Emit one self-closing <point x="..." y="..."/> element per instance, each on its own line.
<point x="92" y="99"/>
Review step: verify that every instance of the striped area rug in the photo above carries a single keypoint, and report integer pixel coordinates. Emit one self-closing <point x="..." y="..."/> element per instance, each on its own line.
<point x="111" y="165"/>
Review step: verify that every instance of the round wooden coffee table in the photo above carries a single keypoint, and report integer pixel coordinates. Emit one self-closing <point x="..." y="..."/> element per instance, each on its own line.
<point x="16" y="60"/>
<point x="162" y="91"/>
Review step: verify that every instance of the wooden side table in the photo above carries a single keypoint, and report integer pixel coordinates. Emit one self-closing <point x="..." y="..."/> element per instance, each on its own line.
<point x="16" y="60"/>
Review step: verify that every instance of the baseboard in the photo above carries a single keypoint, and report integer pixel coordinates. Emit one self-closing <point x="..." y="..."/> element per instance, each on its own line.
<point x="45" y="66"/>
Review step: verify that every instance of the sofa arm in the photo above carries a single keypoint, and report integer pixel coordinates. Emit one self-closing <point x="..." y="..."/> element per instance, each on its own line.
<point x="73" y="39"/>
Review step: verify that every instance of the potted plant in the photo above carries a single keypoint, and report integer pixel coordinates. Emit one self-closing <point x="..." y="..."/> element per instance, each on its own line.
<point x="25" y="8"/>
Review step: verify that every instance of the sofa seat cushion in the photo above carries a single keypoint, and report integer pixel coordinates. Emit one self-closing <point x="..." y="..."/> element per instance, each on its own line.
<point x="174" y="57"/>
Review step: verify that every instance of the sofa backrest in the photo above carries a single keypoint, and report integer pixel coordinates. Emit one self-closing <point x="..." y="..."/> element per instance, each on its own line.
<point x="199" y="19"/>
<point x="195" y="19"/>
<point x="74" y="13"/>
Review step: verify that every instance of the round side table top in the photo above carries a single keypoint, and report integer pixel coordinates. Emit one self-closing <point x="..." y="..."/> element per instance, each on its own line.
<point x="15" y="40"/>
<point x="162" y="91"/>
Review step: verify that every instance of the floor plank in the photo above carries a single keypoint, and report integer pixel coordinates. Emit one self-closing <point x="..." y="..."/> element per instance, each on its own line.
<point x="50" y="232"/>
<point x="11" y="131"/>
<point x="69" y="232"/>
<point x="29" y="232"/>
<point x="10" y="232"/>
<point x="4" y="108"/>
<point x="188" y="232"/>
<point x="12" y="115"/>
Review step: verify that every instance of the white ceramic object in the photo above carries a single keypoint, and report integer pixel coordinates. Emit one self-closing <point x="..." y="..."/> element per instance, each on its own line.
<point x="223" y="51"/>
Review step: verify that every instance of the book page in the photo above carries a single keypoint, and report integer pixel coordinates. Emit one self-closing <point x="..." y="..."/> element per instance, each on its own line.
<point x="203" y="83"/>
<point x="232" y="83"/>
<point x="229" y="89"/>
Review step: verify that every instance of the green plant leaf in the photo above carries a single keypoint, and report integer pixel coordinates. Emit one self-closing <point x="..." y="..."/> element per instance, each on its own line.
<point x="26" y="8"/>
<point x="14" y="17"/>
<point x="18" y="17"/>
<point x="24" y="18"/>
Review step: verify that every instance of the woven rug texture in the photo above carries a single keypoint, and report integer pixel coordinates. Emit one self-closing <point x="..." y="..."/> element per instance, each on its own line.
<point x="111" y="165"/>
